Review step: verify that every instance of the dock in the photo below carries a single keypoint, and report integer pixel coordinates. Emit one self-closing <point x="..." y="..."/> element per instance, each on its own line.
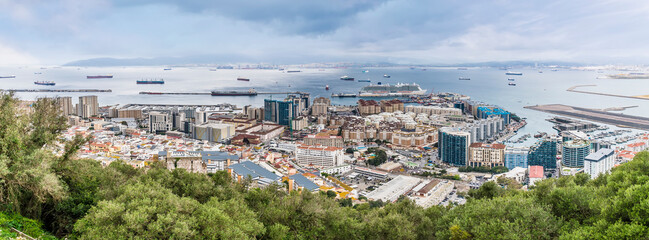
<point x="209" y="93"/>
<point x="56" y="90"/>
<point x="620" y="120"/>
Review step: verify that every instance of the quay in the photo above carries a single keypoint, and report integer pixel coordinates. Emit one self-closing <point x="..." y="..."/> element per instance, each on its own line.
<point x="209" y="93"/>
<point x="620" y="120"/>
<point x="57" y="90"/>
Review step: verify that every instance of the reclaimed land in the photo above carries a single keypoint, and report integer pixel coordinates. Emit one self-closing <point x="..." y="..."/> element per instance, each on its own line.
<point x="572" y="89"/>
<point x="621" y="120"/>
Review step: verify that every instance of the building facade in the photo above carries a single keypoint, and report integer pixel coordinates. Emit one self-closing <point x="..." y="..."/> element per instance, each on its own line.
<point x="574" y="152"/>
<point x="486" y="155"/>
<point x="88" y="106"/>
<point x="516" y="157"/>
<point x="543" y="153"/>
<point x="159" y="122"/>
<point x="319" y="156"/>
<point x="280" y="112"/>
<point x="599" y="162"/>
<point x="454" y="146"/>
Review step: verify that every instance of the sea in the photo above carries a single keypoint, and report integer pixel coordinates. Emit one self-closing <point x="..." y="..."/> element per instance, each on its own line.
<point x="488" y="85"/>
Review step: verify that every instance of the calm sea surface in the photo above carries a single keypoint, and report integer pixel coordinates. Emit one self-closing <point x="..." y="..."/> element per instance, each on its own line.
<point x="487" y="85"/>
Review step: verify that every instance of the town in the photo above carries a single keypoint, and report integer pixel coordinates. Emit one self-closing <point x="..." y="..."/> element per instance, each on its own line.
<point x="431" y="149"/>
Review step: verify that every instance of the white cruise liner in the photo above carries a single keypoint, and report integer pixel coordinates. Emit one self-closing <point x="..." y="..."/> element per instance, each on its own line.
<point x="387" y="90"/>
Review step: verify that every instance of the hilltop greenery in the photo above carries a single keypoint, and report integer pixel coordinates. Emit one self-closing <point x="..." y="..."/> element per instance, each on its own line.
<point x="80" y="199"/>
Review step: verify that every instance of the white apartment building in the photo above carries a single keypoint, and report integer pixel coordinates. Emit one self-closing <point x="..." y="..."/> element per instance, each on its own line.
<point x="319" y="156"/>
<point x="599" y="162"/>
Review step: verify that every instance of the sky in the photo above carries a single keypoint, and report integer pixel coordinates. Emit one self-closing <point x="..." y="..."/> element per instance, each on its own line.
<point x="299" y="31"/>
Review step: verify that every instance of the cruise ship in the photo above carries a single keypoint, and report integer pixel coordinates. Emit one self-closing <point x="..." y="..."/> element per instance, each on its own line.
<point x="46" y="83"/>
<point x="99" y="76"/>
<point x="251" y="92"/>
<point x="151" y="81"/>
<point x="513" y="73"/>
<point x="400" y="89"/>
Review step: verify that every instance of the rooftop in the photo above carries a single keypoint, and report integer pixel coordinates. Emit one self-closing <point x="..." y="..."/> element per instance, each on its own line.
<point x="600" y="155"/>
<point x="536" y="172"/>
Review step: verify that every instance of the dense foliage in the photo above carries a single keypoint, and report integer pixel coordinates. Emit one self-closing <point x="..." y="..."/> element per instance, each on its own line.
<point x="80" y="199"/>
<point x="379" y="158"/>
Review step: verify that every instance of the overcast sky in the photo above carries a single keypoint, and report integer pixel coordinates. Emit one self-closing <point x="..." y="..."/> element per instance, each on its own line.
<point x="302" y="31"/>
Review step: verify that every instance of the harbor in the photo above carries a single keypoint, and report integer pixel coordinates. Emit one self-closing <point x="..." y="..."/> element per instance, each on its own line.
<point x="210" y="93"/>
<point x="57" y="90"/>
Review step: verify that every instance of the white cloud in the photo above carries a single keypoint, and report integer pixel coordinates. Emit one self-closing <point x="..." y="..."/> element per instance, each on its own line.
<point x="10" y="56"/>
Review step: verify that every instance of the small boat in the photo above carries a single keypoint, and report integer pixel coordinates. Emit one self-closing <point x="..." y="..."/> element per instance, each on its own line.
<point x="364" y="80"/>
<point x="243" y="79"/>
<point x="347" y="78"/>
<point x="513" y="73"/>
<point x="11" y="76"/>
<point x="464" y="78"/>
<point x="386" y="76"/>
<point x="167" y="69"/>
<point x="38" y="73"/>
<point x="510" y="79"/>
<point x="327" y="87"/>
<point x="511" y="84"/>
<point x="366" y="71"/>
<point x="45" y="83"/>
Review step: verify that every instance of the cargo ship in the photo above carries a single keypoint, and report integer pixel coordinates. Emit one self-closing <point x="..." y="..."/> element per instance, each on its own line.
<point x="400" y="89"/>
<point x="12" y="76"/>
<point x="99" y="76"/>
<point x="464" y="78"/>
<point x="347" y="78"/>
<point x="513" y="73"/>
<point x="251" y="92"/>
<point x="45" y="83"/>
<point x="243" y="79"/>
<point x="167" y="69"/>
<point x="364" y="80"/>
<point x="293" y="71"/>
<point x="151" y="81"/>
<point x="342" y="95"/>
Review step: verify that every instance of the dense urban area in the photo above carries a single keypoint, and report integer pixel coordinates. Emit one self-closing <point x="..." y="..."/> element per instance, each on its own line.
<point x="427" y="167"/>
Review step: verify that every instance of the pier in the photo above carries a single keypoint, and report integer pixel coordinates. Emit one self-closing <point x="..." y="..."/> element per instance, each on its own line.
<point x="209" y="93"/>
<point x="572" y="89"/>
<point x="56" y="90"/>
<point x="620" y="120"/>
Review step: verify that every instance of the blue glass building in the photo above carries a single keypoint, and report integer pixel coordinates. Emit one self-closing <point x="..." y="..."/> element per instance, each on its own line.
<point x="543" y="153"/>
<point x="280" y="112"/>
<point x="516" y="157"/>
<point x="453" y="146"/>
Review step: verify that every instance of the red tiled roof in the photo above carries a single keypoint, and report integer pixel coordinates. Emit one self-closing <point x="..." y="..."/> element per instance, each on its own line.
<point x="536" y="172"/>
